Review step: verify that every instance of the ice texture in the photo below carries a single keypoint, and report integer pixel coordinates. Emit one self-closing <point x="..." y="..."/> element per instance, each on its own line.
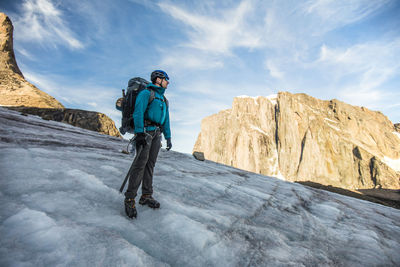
<point x="60" y="206"/>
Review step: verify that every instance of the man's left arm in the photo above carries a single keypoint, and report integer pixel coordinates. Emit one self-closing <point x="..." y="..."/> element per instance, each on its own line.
<point x="167" y="130"/>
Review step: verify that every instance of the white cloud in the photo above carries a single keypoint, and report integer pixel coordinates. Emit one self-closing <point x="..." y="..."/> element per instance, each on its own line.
<point x="394" y="105"/>
<point x="332" y="14"/>
<point x="25" y="53"/>
<point x="278" y="28"/>
<point x="182" y="60"/>
<point x="86" y="95"/>
<point x="217" y="34"/>
<point x="41" y="82"/>
<point x="361" y="97"/>
<point x="274" y="70"/>
<point x="371" y="64"/>
<point x="41" y="21"/>
<point x="83" y="96"/>
<point x="362" y="70"/>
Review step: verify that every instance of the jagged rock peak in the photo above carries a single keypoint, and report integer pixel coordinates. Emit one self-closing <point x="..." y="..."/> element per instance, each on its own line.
<point x="19" y="94"/>
<point x="300" y="138"/>
<point x="7" y="58"/>
<point x="14" y="89"/>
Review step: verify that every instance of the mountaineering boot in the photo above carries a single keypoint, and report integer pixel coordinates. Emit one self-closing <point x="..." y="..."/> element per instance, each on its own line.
<point x="130" y="208"/>
<point x="149" y="201"/>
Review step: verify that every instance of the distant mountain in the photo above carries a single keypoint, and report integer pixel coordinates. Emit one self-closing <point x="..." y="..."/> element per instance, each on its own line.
<point x="19" y="94"/>
<point x="301" y="138"/>
<point x="60" y="206"/>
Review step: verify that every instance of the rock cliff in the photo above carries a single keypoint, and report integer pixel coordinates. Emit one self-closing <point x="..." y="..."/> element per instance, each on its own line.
<point x="89" y="120"/>
<point x="301" y="138"/>
<point x="19" y="94"/>
<point x="15" y="90"/>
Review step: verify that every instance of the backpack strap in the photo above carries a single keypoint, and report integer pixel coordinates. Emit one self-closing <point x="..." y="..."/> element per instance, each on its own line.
<point x="166" y="101"/>
<point x="152" y="95"/>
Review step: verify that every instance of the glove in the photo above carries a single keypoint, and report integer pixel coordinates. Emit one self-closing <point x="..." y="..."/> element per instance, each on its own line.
<point x="140" y="139"/>
<point x="169" y="144"/>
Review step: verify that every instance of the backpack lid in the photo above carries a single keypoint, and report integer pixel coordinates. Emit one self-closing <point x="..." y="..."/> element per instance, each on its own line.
<point x="137" y="82"/>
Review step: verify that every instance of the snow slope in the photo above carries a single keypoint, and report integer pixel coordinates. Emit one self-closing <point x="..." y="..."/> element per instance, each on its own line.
<point x="60" y="205"/>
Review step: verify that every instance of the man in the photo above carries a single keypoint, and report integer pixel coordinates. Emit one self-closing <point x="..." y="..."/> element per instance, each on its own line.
<point x="150" y="119"/>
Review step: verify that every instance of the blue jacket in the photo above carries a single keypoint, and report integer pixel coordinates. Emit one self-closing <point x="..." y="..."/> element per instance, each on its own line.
<point x="157" y="111"/>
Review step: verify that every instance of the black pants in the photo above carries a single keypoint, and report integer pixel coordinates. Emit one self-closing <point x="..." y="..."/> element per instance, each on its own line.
<point x="142" y="171"/>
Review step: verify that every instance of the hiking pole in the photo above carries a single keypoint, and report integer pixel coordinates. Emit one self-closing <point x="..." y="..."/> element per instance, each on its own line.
<point x="131" y="168"/>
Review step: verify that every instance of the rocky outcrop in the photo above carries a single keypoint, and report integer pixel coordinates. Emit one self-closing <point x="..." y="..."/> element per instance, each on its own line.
<point x="19" y="94"/>
<point x="14" y="89"/>
<point x="89" y="120"/>
<point x="397" y="127"/>
<point x="199" y="156"/>
<point x="300" y="138"/>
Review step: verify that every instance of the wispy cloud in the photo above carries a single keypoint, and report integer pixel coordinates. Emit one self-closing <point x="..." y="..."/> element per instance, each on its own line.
<point x="93" y="97"/>
<point x="41" y="21"/>
<point x="180" y="59"/>
<point x="220" y="34"/>
<point x="394" y="105"/>
<point x="285" y="28"/>
<point x="336" y="13"/>
<point x="83" y="94"/>
<point x="362" y="97"/>
<point x="25" y="53"/>
<point x="274" y="70"/>
<point x="370" y="65"/>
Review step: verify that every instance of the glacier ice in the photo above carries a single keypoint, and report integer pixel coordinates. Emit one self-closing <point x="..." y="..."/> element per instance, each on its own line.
<point x="60" y="205"/>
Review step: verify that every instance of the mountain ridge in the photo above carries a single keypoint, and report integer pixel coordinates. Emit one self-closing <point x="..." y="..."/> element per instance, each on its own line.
<point x="300" y="138"/>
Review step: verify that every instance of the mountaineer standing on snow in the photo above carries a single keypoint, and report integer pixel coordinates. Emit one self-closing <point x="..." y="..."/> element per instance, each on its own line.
<point x="150" y="120"/>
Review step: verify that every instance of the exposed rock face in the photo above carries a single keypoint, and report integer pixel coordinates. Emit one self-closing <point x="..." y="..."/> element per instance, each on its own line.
<point x="19" y="94"/>
<point x="14" y="89"/>
<point x="305" y="139"/>
<point x="397" y="127"/>
<point x="89" y="120"/>
<point x="199" y="156"/>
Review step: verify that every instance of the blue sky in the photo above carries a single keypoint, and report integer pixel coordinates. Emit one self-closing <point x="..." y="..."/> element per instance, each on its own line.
<point x="84" y="52"/>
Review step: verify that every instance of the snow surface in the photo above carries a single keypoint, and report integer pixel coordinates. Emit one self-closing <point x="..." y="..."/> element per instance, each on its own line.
<point x="392" y="163"/>
<point x="255" y="98"/>
<point x="272" y="98"/>
<point x="60" y="205"/>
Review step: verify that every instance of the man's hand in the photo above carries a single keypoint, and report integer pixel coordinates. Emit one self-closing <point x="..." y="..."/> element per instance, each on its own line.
<point x="140" y="139"/>
<point x="169" y="144"/>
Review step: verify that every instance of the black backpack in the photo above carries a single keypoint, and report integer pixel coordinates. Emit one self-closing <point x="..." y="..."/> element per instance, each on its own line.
<point x="126" y="104"/>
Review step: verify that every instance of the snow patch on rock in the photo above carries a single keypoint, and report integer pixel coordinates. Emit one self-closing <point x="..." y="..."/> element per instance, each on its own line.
<point x="392" y="163"/>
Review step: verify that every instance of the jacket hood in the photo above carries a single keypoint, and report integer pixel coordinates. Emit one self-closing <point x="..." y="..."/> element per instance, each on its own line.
<point x="156" y="88"/>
